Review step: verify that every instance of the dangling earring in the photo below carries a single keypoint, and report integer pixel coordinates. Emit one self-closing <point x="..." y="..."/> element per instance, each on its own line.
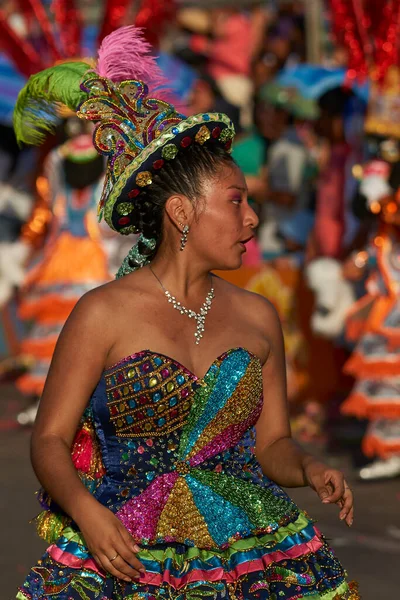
<point x="184" y="236"/>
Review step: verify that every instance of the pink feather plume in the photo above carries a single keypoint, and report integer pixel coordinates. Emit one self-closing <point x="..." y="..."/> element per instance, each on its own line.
<point x="125" y="54"/>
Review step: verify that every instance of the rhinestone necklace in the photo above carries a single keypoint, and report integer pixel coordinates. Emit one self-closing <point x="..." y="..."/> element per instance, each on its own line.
<point x="199" y="317"/>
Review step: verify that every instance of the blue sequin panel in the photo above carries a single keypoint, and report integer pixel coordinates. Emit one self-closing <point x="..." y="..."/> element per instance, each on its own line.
<point x="225" y="377"/>
<point x="224" y="520"/>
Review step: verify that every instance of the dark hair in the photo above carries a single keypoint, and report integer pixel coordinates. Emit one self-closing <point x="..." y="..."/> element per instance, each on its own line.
<point x="335" y="101"/>
<point x="81" y="175"/>
<point x="182" y="175"/>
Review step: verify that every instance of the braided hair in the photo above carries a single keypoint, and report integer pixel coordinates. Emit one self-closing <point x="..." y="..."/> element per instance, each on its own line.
<point x="182" y="175"/>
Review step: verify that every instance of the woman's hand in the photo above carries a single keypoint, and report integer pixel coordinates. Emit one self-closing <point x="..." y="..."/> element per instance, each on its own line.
<point x="109" y="542"/>
<point x="331" y="487"/>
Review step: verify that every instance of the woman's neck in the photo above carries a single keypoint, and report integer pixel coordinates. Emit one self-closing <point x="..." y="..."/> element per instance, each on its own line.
<point x="181" y="276"/>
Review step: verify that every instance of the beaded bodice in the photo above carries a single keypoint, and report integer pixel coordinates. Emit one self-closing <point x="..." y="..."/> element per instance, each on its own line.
<point x="178" y="450"/>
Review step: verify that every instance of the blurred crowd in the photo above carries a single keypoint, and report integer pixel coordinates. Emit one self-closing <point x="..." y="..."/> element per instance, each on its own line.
<point x="320" y="153"/>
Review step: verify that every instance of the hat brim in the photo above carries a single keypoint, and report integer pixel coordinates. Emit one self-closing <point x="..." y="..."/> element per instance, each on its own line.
<point x="203" y="128"/>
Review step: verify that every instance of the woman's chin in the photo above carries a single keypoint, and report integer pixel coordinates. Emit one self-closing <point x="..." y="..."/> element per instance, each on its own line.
<point x="231" y="265"/>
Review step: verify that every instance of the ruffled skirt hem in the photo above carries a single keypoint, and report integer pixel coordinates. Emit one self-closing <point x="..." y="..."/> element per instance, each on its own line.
<point x="289" y="564"/>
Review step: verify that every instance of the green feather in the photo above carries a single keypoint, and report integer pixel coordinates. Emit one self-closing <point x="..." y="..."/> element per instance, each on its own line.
<point x="36" y="110"/>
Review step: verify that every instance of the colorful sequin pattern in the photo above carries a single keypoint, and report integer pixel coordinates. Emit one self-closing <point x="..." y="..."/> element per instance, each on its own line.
<point x="191" y="501"/>
<point x="149" y="396"/>
<point x="185" y="482"/>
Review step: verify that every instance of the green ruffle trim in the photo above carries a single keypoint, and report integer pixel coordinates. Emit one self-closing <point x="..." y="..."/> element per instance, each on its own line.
<point x="343" y="592"/>
<point x="268" y="540"/>
<point x="181" y="562"/>
<point x="193" y="553"/>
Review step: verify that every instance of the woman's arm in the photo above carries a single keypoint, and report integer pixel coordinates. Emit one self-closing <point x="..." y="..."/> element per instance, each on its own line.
<point x="77" y="365"/>
<point x="75" y="370"/>
<point x="281" y="459"/>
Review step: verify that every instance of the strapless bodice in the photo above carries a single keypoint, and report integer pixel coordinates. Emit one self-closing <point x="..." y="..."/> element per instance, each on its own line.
<point x="178" y="451"/>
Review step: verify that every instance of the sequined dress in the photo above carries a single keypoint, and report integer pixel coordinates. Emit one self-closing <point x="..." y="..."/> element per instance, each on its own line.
<point x="172" y="455"/>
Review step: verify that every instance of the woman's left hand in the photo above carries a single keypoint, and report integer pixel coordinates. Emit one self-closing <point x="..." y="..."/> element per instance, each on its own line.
<point x="331" y="487"/>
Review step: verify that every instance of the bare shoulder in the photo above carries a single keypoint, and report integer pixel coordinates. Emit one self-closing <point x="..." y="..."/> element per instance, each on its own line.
<point x="102" y="307"/>
<point x="109" y="297"/>
<point x="254" y="307"/>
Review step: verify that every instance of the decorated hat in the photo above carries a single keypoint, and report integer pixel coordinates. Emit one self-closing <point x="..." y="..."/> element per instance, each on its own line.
<point x="138" y="128"/>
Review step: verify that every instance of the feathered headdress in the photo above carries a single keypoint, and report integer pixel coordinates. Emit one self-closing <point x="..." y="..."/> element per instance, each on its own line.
<point x="138" y="128"/>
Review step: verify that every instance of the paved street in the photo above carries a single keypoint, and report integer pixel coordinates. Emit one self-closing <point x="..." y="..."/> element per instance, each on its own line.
<point x="370" y="549"/>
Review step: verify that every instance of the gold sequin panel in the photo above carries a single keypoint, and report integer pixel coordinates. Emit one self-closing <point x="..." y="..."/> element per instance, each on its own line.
<point x="148" y="396"/>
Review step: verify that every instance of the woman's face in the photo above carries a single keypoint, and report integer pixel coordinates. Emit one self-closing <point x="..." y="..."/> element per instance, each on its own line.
<point x="225" y="221"/>
<point x="271" y="121"/>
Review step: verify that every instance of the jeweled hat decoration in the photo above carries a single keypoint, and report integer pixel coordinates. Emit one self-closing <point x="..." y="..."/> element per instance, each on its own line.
<point x="137" y="126"/>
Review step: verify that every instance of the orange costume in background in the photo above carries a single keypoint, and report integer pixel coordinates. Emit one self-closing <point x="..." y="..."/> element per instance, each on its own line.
<point x="374" y="322"/>
<point x="72" y="262"/>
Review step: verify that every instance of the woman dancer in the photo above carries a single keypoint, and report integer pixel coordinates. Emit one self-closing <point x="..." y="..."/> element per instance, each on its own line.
<point x="373" y="321"/>
<point x="73" y="260"/>
<point x="162" y="435"/>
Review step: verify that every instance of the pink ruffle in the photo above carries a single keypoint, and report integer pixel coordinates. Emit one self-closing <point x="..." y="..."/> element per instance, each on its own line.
<point x="217" y="574"/>
<point x="70" y="560"/>
<point x="220" y="574"/>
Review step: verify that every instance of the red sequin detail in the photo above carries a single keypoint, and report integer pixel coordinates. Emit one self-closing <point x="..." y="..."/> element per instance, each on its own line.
<point x="116" y="394"/>
<point x="186" y="141"/>
<point x="124" y="221"/>
<point x="133" y="193"/>
<point x="158" y="164"/>
<point x="228" y="145"/>
<point x="215" y="132"/>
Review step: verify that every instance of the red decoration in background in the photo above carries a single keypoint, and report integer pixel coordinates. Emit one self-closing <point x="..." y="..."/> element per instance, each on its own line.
<point x="363" y="23"/>
<point x="69" y="22"/>
<point x="370" y="30"/>
<point x="349" y="34"/>
<point x="35" y="8"/>
<point x="152" y="16"/>
<point x="114" y="13"/>
<point x="387" y="39"/>
<point x="19" y="50"/>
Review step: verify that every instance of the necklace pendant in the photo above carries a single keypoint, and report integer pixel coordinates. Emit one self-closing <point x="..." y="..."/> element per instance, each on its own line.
<point x="191" y="314"/>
